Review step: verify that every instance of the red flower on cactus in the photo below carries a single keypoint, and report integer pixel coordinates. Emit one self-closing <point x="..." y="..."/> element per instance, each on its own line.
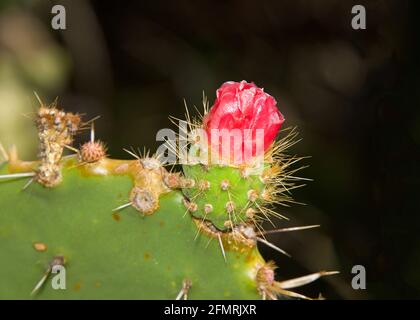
<point x="243" y="106"/>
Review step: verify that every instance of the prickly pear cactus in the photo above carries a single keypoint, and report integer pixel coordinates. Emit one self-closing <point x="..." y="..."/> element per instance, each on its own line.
<point x="102" y="228"/>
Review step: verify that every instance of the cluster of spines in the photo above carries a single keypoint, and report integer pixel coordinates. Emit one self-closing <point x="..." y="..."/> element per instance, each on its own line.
<point x="56" y="130"/>
<point x="93" y="150"/>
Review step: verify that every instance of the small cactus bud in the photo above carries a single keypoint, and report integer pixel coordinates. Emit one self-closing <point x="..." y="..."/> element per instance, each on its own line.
<point x="230" y="206"/>
<point x="228" y="224"/>
<point x="245" y="172"/>
<point x="203" y="185"/>
<point x="92" y="151"/>
<point x="191" y="206"/>
<point x="208" y="208"/>
<point x="265" y="275"/>
<point x="250" y="213"/>
<point x="59" y="260"/>
<point x="144" y="200"/>
<point x="172" y="180"/>
<point x="187" y="183"/>
<point x="225" y="184"/>
<point x="266" y="195"/>
<point x="247" y="231"/>
<point x="252" y="195"/>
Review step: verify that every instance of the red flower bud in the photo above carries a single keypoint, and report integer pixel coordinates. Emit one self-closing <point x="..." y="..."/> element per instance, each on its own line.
<point x="243" y="106"/>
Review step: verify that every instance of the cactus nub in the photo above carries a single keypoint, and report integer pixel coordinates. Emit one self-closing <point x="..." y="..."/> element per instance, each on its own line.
<point x="56" y="130"/>
<point x="144" y="200"/>
<point x="92" y="151"/>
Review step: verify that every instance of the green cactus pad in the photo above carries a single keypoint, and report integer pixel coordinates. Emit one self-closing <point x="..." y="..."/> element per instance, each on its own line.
<point x="226" y="190"/>
<point x="121" y="255"/>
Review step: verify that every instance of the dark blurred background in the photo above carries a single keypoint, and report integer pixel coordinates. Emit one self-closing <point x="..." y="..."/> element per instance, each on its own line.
<point x="353" y="94"/>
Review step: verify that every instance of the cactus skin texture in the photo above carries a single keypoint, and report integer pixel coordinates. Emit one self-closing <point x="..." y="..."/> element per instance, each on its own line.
<point x="121" y="255"/>
<point x="129" y="229"/>
<point x="222" y="194"/>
